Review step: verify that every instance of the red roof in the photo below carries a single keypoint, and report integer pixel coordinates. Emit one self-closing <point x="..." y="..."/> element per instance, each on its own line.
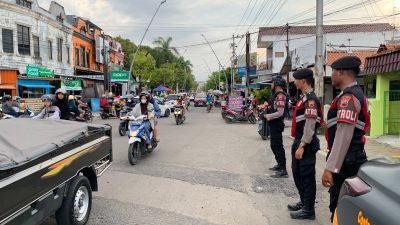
<point x="342" y="28"/>
<point x="332" y="56"/>
<point x="383" y="62"/>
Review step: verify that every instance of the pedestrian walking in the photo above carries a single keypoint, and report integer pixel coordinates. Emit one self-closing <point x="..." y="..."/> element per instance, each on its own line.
<point x="347" y="123"/>
<point x="307" y="119"/>
<point x="276" y="122"/>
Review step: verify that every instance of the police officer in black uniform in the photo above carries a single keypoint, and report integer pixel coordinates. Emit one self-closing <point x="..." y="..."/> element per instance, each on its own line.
<point x="306" y="120"/>
<point x="347" y="122"/>
<point x="275" y="119"/>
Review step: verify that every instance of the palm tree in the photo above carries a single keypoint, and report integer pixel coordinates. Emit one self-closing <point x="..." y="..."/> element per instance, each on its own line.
<point x="165" y="44"/>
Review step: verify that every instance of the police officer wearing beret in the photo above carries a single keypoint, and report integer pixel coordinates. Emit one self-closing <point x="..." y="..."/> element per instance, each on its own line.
<point x="306" y="120"/>
<point x="347" y="123"/>
<point x="276" y="122"/>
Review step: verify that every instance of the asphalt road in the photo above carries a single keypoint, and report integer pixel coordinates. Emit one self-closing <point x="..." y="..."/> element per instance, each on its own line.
<point x="203" y="172"/>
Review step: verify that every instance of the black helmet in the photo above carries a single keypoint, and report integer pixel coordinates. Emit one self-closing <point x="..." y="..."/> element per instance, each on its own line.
<point x="279" y="81"/>
<point x="144" y="93"/>
<point x="48" y="98"/>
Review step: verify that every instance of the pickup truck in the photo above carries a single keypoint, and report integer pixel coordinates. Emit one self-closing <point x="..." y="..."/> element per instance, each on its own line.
<point x="50" y="168"/>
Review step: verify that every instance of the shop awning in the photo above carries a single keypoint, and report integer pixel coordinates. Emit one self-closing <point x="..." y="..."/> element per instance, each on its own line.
<point x="7" y="87"/>
<point x="37" y="85"/>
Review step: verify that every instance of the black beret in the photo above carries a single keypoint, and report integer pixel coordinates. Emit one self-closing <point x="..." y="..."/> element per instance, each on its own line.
<point x="347" y="62"/>
<point x="303" y="74"/>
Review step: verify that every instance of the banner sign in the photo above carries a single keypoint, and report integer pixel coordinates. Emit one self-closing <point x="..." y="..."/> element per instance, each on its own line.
<point x="119" y="75"/>
<point x="34" y="104"/>
<point x="71" y="85"/>
<point x="235" y="103"/>
<point x="36" y="71"/>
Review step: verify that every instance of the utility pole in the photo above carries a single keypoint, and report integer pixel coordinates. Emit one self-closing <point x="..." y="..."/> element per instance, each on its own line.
<point x="233" y="63"/>
<point x="247" y="65"/>
<point x="319" y="58"/>
<point x="287" y="59"/>
<point x="221" y="66"/>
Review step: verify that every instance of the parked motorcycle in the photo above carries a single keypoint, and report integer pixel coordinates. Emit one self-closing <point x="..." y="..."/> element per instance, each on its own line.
<point x="137" y="144"/>
<point x="179" y="117"/>
<point x="223" y="111"/>
<point x="124" y="121"/>
<point x="246" y="115"/>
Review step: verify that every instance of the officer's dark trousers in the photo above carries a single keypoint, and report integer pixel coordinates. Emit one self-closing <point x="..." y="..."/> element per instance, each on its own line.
<point x="338" y="179"/>
<point x="277" y="127"/>
<point x="304" y="173"/>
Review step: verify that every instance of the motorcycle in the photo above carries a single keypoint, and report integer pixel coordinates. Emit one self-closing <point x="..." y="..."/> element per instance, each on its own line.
<point x="26" y="114"/>
<point x="137" y="139"/>
<point x="179" y="117"/>
<point x="246" y="114"/>
<point x="105" y="115"/>
<point x="223" y="111"/>
<point x="124" y="122"/>
<point x="209" y="107"/>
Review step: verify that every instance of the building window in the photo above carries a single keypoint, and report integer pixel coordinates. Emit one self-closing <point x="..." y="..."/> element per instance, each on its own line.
<point x="50" y="43"/>
<point x="76" y="56"/>
<point x="371" y="89"/>
<point x="8" y="41"/>
<point x="68" y="56"/>
<point x="91" y="29"/>
<point x="24" y="46"/>
<point x="60" y="19"/>
<point x="36" y="49"/>
<point x="59" y="49"/>
<point x="279" y="54"/>
<point x="88" y="59"/>
<point x="82" y="59"/>
<point x="83" y="31"/>
<point x="25" y="3"/>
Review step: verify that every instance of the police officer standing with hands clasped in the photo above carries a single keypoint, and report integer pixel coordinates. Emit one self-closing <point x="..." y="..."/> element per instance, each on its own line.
<point x="276" y="121"/>
<point x="347" y="122"/>
<point x="307" y="119"/>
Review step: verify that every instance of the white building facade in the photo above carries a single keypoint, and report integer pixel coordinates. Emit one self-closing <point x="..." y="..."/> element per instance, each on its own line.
<point x="31" y="35"/>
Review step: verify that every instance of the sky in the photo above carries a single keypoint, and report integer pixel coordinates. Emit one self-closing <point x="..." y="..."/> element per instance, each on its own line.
<point x="185" y="21"/>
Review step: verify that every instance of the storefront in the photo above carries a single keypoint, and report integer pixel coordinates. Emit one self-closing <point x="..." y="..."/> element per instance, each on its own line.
<point x="8" y="81"/>
<point x="119" y="81"/>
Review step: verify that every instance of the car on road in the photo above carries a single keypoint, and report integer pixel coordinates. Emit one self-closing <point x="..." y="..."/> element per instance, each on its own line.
<point x="172" y="100"/>
<point x="166" y="109"/>
<point x="373" y="196"/>
<point x="200" y="100"/>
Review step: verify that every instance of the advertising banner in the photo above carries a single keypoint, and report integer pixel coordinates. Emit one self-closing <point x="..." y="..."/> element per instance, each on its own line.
<point x="36" y="71"/>
<point x="34" y="104"/>
<point x="71" y="85"/>
<point x="235" y="103"/>
<point x="119" y="76"/>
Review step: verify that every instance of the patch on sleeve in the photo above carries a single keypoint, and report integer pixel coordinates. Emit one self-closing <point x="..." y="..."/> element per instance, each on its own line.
<point x="280" y="101"/>
<point x="311" y="110"/>
<point x="347" y="111"/>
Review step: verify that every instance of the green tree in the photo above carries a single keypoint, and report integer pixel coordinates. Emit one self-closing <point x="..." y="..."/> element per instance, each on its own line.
<point x="164" y="52"/>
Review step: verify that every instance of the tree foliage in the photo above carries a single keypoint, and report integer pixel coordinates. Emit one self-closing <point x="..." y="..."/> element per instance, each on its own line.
<point x="161" y="65"/>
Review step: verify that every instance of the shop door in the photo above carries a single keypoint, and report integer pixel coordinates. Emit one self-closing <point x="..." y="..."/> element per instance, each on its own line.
<point x="391" y="112"/>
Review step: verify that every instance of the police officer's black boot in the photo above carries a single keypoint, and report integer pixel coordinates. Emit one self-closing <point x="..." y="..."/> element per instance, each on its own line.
<point x="295" y="207"/>
<point x="303" y="214"/>
<point x="282" y="173"/>
<point x="275" y="168"/>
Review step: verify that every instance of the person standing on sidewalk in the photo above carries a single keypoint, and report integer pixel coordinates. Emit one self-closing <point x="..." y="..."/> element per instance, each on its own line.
<point x="276" y="121"/>
<point x="306" y="120"/>
<point x="347" y="123"/>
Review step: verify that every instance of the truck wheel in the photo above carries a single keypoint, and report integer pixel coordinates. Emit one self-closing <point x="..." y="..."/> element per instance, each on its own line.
<point x="76" y="206"/>
<point x="134" y="153"/>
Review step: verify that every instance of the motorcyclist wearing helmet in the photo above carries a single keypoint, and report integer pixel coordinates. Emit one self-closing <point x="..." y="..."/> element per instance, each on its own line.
<point x="130" y="101"/>
<point x="180" y="102"/>
<point x="276" y="122"/>
<point x="49" y="111"/>
<point x="147" y="109"/>
<point x="16" y="101"/>
<point x="8" y="106"/>
<point x="62" y="103"/>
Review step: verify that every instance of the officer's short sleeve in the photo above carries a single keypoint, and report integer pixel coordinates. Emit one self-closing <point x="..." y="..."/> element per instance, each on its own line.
<point x="347" y="109"/>
<point x="280" y="101"/>
<point x="311" y="109"/>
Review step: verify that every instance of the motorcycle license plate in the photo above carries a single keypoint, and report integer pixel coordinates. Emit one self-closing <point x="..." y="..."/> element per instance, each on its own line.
<point x="133" y="133"/>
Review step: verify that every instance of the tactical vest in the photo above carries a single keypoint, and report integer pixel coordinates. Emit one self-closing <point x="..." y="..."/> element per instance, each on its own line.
<point x="356" y="151"/>
<point x="49" y="111"/>
<point x="299" y="119"/>
<point x="273" y="109"/>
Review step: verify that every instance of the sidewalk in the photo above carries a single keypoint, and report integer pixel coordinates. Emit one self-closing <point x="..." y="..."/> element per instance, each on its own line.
<point x="383" y="146"/>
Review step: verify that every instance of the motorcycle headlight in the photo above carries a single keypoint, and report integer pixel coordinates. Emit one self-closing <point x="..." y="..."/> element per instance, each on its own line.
<point x="133" y="133"/>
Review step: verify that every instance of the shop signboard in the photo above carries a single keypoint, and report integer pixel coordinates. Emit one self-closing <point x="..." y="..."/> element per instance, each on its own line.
<point x="119" y="76"/>
<point x="235" y="103"/>
<point x="71" y="85"/>
<point x="36" y="71"/>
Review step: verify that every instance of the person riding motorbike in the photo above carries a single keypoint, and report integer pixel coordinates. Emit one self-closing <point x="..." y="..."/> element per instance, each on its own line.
<point x="49" y="111"/>
<point x="209" y="99"/>
<point x="16" y="102"/>
<point x="157" y="114"/>
<point x="73" y="108"/>
<point x="8" y="106"/>
<point x="81" y="105"/>
<point x="104" y="104"/>
<point x="62" y="103"/>
<point x="130" y="101"/>
<point x="145" y="108"/>
<point x="180" y="102"/>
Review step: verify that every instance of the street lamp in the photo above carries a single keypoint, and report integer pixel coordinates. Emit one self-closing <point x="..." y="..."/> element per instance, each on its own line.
<point x="141" y="41"/>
